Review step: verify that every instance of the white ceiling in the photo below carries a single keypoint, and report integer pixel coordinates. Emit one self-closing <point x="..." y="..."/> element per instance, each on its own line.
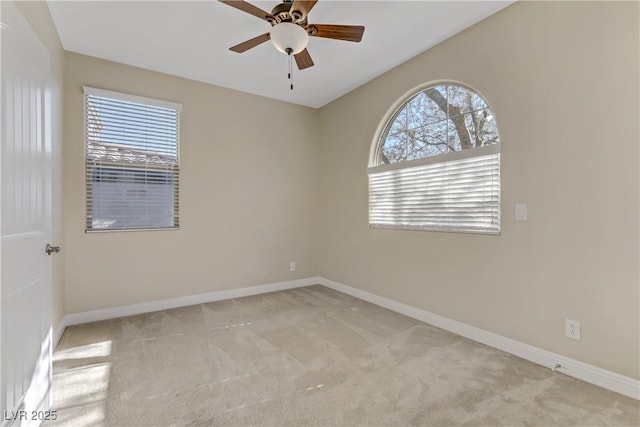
<point x="192" y="40"/>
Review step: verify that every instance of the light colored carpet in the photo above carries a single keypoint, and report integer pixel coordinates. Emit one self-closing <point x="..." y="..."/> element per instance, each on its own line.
<point x="309" y="356"/>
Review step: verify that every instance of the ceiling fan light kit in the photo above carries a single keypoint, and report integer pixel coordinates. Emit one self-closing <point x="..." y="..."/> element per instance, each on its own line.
<point x="290" y="30"/>
<point x="286" y="35"/>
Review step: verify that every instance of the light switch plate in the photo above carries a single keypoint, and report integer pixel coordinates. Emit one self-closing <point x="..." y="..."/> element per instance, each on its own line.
<point x="521" y="212"/>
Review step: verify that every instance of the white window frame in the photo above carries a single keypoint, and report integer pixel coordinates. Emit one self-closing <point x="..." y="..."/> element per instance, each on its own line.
<point x="174" y="170"/>
<point x="401" y="170"/>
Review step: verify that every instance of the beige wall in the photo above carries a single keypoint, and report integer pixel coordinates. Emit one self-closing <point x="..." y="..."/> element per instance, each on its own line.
<point x="248" y="195"/>
<point x="563" y="81"/>
<point x="37" y="15"/>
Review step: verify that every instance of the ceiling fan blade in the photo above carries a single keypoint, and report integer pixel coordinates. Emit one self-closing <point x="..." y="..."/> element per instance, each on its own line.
<point x="303" y="59"/>
<point x="244" y="46"/>
<point x="351" y="33"/>
<point x="300" y="9"/>
<point x="249" y="8"/>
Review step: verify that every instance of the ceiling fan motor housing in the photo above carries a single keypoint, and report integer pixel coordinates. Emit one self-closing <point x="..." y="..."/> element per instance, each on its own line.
<point x="281" y="13"/>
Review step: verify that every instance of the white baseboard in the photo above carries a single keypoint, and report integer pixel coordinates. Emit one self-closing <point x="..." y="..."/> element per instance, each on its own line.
<point x="589" y="373"/>
<point x="583" y="371"/>
<point x="148" y="307"/>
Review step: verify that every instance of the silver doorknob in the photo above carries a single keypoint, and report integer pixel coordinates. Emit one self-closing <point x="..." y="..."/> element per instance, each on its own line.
<point x="51" y="249"/>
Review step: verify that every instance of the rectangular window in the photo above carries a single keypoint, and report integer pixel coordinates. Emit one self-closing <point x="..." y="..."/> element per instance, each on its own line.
<point x="132" y="154"/>
<point x="461" y="194"/>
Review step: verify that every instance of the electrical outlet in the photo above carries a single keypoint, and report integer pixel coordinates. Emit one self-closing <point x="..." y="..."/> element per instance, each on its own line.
<point x="572" y="329"/>
<point x="292" y="266"/>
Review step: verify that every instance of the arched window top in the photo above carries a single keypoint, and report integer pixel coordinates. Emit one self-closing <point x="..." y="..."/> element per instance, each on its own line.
<point x="441" y="119"/>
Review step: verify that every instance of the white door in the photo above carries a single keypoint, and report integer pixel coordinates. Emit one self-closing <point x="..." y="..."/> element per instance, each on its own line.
<point x="25" y="185"/>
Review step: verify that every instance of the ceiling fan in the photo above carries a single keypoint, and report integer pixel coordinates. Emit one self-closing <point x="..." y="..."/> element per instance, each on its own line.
<point x="290" y="30"/>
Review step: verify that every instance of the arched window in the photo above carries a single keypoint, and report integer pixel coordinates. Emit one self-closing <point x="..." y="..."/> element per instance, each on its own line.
<point x="436" y="164"/>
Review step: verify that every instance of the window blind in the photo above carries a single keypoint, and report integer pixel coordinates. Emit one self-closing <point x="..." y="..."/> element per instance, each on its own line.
<point x="462" y="194"/>
<point x="132" y="162"/>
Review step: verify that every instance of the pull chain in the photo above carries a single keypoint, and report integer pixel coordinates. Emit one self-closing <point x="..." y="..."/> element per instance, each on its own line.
<point x="289" y="51"/>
